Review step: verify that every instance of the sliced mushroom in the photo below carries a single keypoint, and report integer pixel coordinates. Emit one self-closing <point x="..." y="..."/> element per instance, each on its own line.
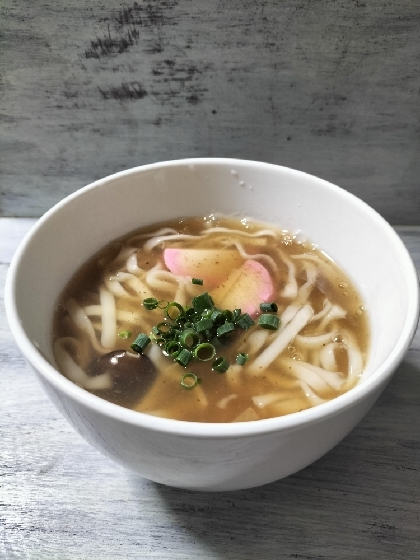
<point x="132" y="376"/>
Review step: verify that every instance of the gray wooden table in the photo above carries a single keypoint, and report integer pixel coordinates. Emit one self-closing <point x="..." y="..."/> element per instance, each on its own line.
<point x="60" y="499"/>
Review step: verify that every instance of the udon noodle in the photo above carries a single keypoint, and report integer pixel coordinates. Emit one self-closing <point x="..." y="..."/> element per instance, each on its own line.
<point x="317" y="352"/>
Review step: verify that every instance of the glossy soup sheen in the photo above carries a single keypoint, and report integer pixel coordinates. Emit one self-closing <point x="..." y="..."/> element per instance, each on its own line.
<point x="323" y="361"/>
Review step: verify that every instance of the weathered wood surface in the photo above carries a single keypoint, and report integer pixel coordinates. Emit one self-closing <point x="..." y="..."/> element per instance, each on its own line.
<point x="329" y="87"/>
<point x="60" y="499"/>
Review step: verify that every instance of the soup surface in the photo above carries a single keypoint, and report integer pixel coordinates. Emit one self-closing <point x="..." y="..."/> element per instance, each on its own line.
<point x="307" y="345"/>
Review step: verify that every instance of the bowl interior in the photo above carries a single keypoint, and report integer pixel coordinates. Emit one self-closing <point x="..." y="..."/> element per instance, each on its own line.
<point x="357" y="238"/>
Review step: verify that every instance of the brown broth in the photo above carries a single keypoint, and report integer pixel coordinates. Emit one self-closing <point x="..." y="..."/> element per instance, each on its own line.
<point x="222" y="397"/>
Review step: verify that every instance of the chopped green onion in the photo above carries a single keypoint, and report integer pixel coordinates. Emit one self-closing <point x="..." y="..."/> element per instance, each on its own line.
<point x="245" y="321"/>
<point x="203" y="325"/>
<point x="271" y="322"/>
<point x="217" y="317"/>
<point x="202" y="302"/>
<point x="141" y="342"/>
<point x="221" y="365"/>
<point x="236" y="314"/>
<point x="209" y="334"/>
<point x="225" y="329"/>
<point x="189" y="338"/>
<point x="163" y="303"/>
<point x="204" y="352"/>
<point x="189" y="312"/>
<point x="162" y="328"/>
<point x="241" y="358"/>
<point x="228" y="315"/>
<point x="198" y="281"/>
<point x="150" y="303"/>
<point x="269" y="307"/>
<point x="161" y="342"/>
<point x="186" y="383"/>
<point x="173" y="348"/>
<point x="125" y="334"/>
<point x="171" y="313"/>
<point x="184" y="357"/>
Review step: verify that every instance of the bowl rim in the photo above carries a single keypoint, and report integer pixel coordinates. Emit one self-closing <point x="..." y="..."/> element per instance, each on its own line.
<point x="216" y="430"/>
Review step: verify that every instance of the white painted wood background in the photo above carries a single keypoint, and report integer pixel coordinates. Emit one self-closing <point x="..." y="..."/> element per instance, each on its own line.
<point x="330" y="87"/>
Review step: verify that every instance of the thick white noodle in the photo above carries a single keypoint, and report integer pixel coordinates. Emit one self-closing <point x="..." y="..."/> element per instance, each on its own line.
<point x="315" y="341"/>
<point x="290" y="290"/>
<point x="326" y="309"/>
<point x="255" y="341"/>
<point x="200" y="396"/>
<point x="116" y="288"/>
<point x="260" y="233"/>
<point x="302" y="297"/>
<point x="261" y="257"/>
<point x="261" y="401"/>
<point x="155" y="354"/>
<point x="154" y="241"/>
<point x="132" y="265"/>
<point x="327" y="357"/>
<point x="327" y="268"/>
<point x="162" y="280"/>
<point x="124" y="316"/>
<point x="109" y="318"/>
<point x="82" y="321"/>
<point x="313" y="398"/>
<point x="282" y="340"/>
<point x="336" y="312"/>
<point x="181" y="294"/>
<point x="226" y="400"/>
<point x="233" y="375"/>
<point x="354" y="355"/>
<point x="74" y="372"/>
<point x="316" y="377"/>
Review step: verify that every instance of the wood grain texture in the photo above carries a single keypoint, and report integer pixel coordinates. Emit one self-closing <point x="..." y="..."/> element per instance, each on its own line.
<point x="61" y="500"/>
<point x="329" y="87"/>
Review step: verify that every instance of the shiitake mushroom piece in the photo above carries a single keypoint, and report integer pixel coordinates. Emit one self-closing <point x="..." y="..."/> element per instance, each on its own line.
<point x="132" y="376"/>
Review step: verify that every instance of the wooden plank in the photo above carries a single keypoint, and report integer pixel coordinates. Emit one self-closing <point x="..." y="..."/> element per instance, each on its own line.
<point x="90" y="88"/>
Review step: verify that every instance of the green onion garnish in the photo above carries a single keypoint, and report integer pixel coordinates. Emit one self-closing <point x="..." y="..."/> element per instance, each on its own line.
<point x="245" y="321"/>
<point x="221" y="365"/>
<point x="163" y="303"/>
<point x="217" y="317"/>
<point x="271" y="322"/>
<point x="202" y="302"/>
<point x="162" y="328"/>
<point x="189" y="380"/>
<point x="269" y="307"/>
<point x="203" y="324"/>
<point x="150" y="303"/>
<point x="225" y="329"/>
<point x="184" y="357"/>
<point x="236" y="314"/>
<point x="228" y="315"/>
<point x="198" y="281"/>
<point x="241" y="358"/>
<point x="174" y="310"/>
<point x="141" y="342"/>
<point x="189" y="338"/>
<point x="173" y="348"/>
<point x="204" y="352"/>
<point x="125" y="334"/>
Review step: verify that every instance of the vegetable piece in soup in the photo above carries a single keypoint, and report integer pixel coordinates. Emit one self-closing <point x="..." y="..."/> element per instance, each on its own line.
<point x="212" y="320"/>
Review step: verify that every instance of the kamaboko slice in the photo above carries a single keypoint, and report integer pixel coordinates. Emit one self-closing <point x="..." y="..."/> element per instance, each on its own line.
<point x="245" y="288"/>
<point x="210" y="265"/>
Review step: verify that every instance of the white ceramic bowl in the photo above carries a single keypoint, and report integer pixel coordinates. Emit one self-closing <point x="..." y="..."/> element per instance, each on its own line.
<point x="214" y="456"/>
